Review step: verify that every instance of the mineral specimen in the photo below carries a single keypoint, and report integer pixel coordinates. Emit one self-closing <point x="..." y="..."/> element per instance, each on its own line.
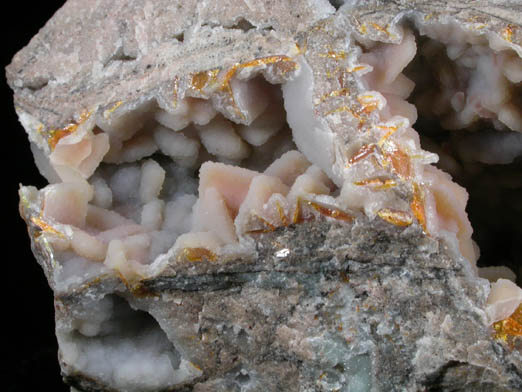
<point x="239" y="199"/>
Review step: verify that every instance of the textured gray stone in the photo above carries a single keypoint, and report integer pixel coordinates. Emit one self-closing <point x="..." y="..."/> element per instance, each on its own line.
<point x="330" y="315"/>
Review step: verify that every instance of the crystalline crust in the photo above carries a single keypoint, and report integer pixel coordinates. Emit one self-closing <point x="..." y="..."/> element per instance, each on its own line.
<point x="239" y="199"/>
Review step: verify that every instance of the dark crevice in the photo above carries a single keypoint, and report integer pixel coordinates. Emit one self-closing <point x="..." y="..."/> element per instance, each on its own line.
<point x="243" y="24"/>
<point x="36" y="84"/>
<point x="436" y="381"/>
<point x="119" y="55"/>
<point x="471" y="157"/>
<point x="179" y="37"/>
<point x="494" y="207"/>
<point x="337" y="3"/>
<point x="242" y="378"/>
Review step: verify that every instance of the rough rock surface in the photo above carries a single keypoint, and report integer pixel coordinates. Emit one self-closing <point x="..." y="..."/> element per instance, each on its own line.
<point x="322" y="305"/>
<point x="326" y="307"/>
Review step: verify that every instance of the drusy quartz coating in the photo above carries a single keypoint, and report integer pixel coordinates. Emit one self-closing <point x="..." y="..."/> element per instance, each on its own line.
<point x="271" y="195"/>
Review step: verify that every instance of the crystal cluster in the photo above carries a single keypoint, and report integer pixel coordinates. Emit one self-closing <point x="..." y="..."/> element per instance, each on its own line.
<point x="261" y="196"/>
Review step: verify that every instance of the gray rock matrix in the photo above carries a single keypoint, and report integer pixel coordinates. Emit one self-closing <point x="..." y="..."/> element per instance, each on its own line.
<point x="323" y="305"/>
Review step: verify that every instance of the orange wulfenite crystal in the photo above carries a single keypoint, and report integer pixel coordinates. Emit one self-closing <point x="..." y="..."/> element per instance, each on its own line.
<point x="56" y="134"/>
<point x="282" y="214"/>
<point x="198" y="254"/>
<point x="400" y="162"/>
<point x="330" y="212"/>
<point x="336" y="93"/>
<point x="417" y="206"/>
<point x="334" y="55"/>
<point x="510" y="327"/>
<point x="390" y="131"/>
<point x="395" y="217"/>
<point x="377" y="183"/>
<point x="507" y="33"/>
<point x="200" y="79"/>
<point x="297" y="212"/>
<point x="45" y="227"/>
<point x="369" y="103"/>
<point x="362" y="153"/>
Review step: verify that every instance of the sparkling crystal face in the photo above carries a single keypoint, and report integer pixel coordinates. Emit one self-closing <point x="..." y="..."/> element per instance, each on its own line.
<point x="399" y="125"/>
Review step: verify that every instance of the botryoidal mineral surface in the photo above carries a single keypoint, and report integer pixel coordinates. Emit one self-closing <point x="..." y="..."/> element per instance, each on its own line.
<point x="238" y="197"/>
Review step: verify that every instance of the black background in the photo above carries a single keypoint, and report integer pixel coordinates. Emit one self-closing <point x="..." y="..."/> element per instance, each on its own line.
<point x="29" y="349"/>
